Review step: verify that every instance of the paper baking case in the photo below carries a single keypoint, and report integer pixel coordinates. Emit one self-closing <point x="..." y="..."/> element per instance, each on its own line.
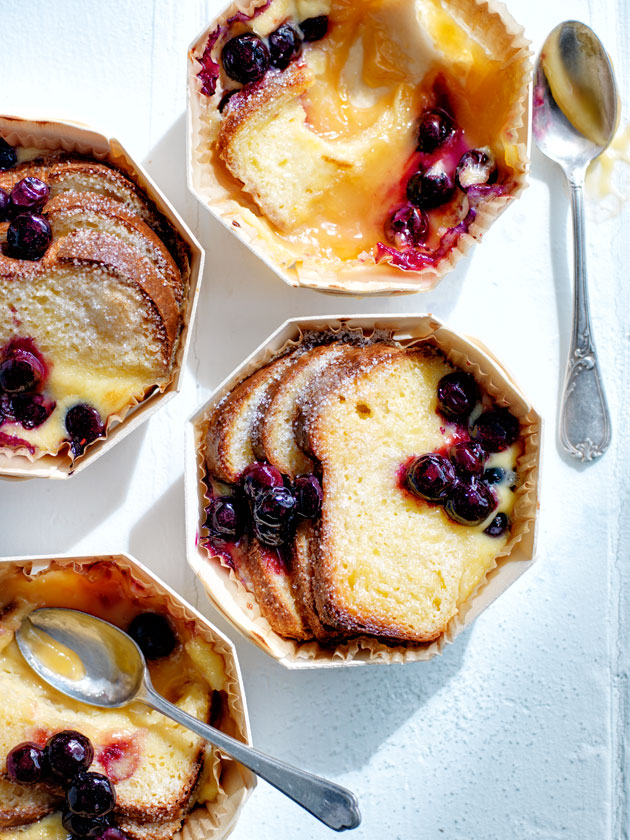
<point x="70" y="137"/>
<point x="229" y="595"/>
<point x="215" y="820"/>
<point x="489" y="25"/>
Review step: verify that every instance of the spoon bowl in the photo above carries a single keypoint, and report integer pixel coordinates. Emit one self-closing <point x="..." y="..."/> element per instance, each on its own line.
<point x="96" y="663"/>
<point x="575" y="116"/>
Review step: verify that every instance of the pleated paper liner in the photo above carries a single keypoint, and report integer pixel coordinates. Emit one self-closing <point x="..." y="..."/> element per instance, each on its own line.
<point x="216" y="819"/>
<point x="227" y="592"/>
<point x="74" y="138"/>
<point x="491" y="25"/>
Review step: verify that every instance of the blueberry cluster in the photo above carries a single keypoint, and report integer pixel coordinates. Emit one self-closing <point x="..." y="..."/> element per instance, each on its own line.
<point x="266" y="504"/>
<point x="458" y="480"/>
<point x="433" y="184"/>
<point x="22" y="376"/>
<point x="247" y="57"/>
<point x="64" y="762"/>
<point x="29" y="233"/>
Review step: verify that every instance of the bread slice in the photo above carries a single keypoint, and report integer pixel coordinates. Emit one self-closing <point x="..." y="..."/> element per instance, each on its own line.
<point x="22" y="805"/>
<point x="385" y="565"/>
<point x="231" y="430"/>
<point x="72" y="175"/>
<point x="161" y="760"/>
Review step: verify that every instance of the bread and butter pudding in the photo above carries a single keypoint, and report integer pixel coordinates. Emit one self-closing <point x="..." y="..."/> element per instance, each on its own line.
<point x="70" y="769"/>
<point x="358" y="487"/>
<point x="92" y="282"/>
<point x="360" y="146"/>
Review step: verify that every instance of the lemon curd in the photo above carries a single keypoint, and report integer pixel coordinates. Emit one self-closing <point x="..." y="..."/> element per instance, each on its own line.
<point x="380" y="65"/>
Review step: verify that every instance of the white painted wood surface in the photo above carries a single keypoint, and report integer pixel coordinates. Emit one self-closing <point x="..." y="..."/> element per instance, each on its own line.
<point x="518" y="730"/>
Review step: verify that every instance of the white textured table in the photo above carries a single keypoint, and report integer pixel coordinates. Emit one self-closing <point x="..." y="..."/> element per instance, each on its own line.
<point x="517" y="731"/>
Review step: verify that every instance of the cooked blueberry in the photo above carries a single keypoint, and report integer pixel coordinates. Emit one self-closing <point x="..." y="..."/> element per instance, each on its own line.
<point x="258" y="477"/>
<point x="245" y="58"/>
<point x="83" y="424"/>
<point x="31" y="410"/>
<point x="467" y="457"/>
<point x="21" y="371"/>
<point x="4" y="205"/>
<point x="69" y="753"/>
<point x="308" y="496"/>
<point x="29" y="194"/>
<point x="457" y="394"/>
<point x="8" y="155"/>
<point x="284" y="44"/>
<point x="498" y="526"/>
<point x="493" y="475"/>
<point x="495" y="430"/>
<point x="475" y="168"/>
<point x="273" y="513"/>
<point x="407" y="227"/>
<point x="79" y="826"/>
<point x="26" y="764"/>
<point x="6" y="409"/>
<point x="28" y="237"/>
<point x="112" y="833"/>
<point x="225" y="518"/>
<point x="153" y="634"/>
<point x="470" y="502"/>
<point x="430" y="187"/>
<point x="90" y="795"/>
<point x="431" y="477"/>
<point x="314" y="29"/>
<point x="434" y="130"/>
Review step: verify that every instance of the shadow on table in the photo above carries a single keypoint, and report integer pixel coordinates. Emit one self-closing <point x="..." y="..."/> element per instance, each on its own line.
<point x="74" y="507"/>
<point x="158" y="540"/>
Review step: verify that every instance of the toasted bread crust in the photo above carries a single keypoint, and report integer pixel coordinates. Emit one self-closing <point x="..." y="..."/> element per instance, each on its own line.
<point x="229" y="446"/>
<point x="22" y="806"/>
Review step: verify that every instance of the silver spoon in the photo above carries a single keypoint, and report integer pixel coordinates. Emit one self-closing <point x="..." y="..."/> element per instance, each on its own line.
<point x="575" y="116"/>
<point x="112" y="672"/>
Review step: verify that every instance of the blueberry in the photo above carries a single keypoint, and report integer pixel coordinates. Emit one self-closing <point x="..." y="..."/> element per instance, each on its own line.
<point x="431" y="477"/>
<point x="26" y="764"/>
<point x="5" y="204"/>
<point x="8" y="155"/>
<point x="245" y="58"/>
<point x="90" y="795"/>
<point x="112" y="833"/>
<point x="225" y="518"/>
<point x="29" y="194"/>
<point x="435" y="128"/>
<point x="470" y="502"/>
<point x="28" y="237"/>
<point x="273" y="513"/>
<point x="69" y="753"/>
<point x="153" y="635"/>
<point x="407" y="227"/>
<point x="430" y="187"/>
<point x="79" y="826"/>
<point x="494" y="475"/>
<point x="457" y="394"/>
<point x="31" y="410"/>
<point x="84" y="425"/>
<point x="308" y="496"/>
<point x="21" y="370"/>
<point x="315" y="28"/>
<point x="498" y="526"/>
<point x="475" y="168"/>
<point x="467" y="457"/>
<point x="284" y="44"/>
<point x="258" y="477"/>
<point x="496" y="430"/>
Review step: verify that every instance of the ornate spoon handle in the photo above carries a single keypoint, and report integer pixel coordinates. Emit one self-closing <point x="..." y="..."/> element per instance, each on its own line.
<point x="584" y="417"/>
